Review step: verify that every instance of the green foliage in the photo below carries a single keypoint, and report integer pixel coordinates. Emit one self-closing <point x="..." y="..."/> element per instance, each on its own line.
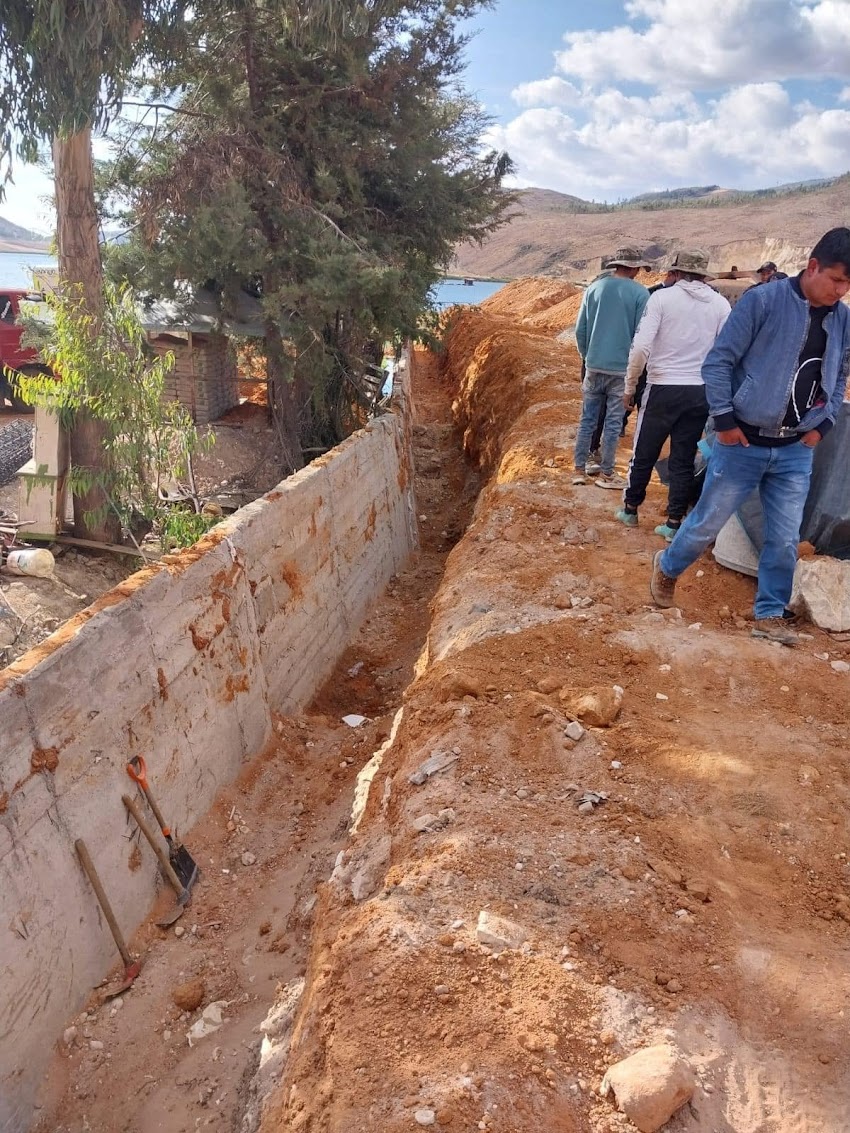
<point x="107" y="369"/>
<point x="63" y="63"/>
<point x="332" y="166"/>
<point x="178" y="528"/>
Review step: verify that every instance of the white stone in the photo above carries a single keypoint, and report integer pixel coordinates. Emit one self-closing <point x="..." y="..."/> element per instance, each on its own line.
<point x="499" y="932"/>
<point x="574" y="730"/>
<point x="425" y="1117"/>
<point x="840" y="666"/>
<point x="733" y="549"/>
<point x="650" y="1086"/>
<point x="821" y="592"/>
<point x="248" y="858"/>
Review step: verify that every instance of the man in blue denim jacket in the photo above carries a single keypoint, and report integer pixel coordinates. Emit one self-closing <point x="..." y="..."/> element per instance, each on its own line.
<point x="775" y="381"/>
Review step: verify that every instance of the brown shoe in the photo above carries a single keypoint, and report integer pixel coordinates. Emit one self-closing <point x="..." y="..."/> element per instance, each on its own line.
<point x="661" y="586"/>
<point x="776" y="629"/>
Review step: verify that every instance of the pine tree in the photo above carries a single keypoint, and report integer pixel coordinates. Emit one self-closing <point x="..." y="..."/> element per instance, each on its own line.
<point x="333" y="170"/>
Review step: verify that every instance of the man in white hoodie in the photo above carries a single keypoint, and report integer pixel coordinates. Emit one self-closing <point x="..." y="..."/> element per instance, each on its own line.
<point x="677" y="330"/>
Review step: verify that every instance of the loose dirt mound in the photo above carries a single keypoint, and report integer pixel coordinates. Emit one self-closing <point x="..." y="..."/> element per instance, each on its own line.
<point x="528" y="296"/>
<point x="548" y="306"/>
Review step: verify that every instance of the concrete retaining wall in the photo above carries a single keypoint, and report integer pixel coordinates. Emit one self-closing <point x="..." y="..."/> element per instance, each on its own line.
<point x="184" y="663"/>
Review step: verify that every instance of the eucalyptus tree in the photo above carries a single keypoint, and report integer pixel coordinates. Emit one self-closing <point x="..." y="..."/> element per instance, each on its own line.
<point x="64" y="65"/>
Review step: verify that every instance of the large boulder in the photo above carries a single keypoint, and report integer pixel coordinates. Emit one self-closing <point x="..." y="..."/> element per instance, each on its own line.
<point x="650" y="1086"/>
<point x="822" y="592"/>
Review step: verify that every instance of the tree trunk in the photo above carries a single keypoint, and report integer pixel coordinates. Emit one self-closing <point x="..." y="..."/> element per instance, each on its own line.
<point x="81" y="273"/>
<point x="282" y="391"/>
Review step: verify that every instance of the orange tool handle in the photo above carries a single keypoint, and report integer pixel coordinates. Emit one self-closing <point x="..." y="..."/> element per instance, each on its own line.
<point x="137" y="769"/>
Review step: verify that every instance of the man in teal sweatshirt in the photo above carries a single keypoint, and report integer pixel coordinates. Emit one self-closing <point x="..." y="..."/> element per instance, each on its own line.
<point x="611" y="309"/>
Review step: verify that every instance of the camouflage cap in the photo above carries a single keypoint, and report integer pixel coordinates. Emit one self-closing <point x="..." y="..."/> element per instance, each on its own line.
<point x="628" y="257"/>
<point x="694" y="261"/>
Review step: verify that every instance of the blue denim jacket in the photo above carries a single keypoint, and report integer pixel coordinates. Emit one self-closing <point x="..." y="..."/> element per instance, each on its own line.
<point x="749" y="371"/>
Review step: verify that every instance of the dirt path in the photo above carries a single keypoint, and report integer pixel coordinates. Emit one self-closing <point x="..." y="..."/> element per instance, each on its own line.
<point x="266" y="846"/>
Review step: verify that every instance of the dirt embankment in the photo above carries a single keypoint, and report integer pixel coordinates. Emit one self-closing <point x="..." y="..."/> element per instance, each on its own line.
<point x="699" y="896"/>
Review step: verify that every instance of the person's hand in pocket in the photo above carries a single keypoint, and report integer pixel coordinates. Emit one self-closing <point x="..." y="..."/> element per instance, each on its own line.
<point x="732" y="437"/>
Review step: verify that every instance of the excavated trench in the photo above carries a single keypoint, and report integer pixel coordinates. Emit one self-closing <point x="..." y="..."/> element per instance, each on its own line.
<point x="523" y="902"/>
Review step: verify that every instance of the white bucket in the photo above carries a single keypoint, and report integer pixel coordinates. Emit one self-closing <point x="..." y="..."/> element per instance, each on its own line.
<point x="35" y="561"/>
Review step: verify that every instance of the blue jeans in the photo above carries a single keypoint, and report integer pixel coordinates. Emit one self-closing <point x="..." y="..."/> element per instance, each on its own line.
<point x="597" y="390"/>
<point x="782" y="477"/>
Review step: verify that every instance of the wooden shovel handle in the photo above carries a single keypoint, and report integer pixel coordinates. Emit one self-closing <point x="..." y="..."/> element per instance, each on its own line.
<point x="137" y="769"/>
<point x="103" y="900"/>
<point x="141" y="822"/>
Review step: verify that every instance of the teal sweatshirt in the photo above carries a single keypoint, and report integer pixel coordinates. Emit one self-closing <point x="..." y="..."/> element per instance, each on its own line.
<point x="611" y="309"/>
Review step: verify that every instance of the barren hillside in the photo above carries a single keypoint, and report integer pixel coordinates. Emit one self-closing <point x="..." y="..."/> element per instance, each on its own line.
<point x="547" y="237"/>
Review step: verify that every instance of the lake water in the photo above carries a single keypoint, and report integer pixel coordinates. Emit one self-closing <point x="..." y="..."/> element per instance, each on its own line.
<point x="16" y="271"/>
<point x="16" y="267"/>
<point x="451" y="291"/>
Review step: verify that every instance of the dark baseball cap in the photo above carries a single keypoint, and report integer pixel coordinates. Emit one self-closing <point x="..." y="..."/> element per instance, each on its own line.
<point x="768" y="265"/>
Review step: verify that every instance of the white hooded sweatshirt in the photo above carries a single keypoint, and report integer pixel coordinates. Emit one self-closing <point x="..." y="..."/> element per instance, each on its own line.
<point x="678" y="328"/>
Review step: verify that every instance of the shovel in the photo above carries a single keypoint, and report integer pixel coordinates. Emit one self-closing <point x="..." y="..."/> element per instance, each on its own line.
<point x="183" y="863"/>
<point x="183" y="894"/>
<point x="131" y="967"/>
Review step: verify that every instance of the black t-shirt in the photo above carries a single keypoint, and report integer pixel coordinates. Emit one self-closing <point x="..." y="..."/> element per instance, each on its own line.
<point x="806" y="390"/>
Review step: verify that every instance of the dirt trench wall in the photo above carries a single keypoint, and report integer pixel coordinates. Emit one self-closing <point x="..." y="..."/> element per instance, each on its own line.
<point x="185" y="664"/>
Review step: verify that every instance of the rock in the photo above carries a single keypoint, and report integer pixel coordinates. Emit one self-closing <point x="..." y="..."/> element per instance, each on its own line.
<point x="362" y="869"/>
<point x="698" y="888"/>
<point x="549" y="685"/>
<point x="179" y="931"/>
<point x="498" y="932"/>
<point x="840" y="666"/>
<point x="189" y="996"/>
<point x="666" y="870"/>
<point x="354" y="720"/>
<point x="574" y="730"/>
<point x="96" y="1044"/>
<point x="248" y="858"/>
<point x="428" y="823"/>
<point x="598" y="707"/>
<point x="69" y="1035"/>
<point x="650" y="1086"/>
<point x="822" y="592"/>
<point x="436" y="762"/>
<point x="425" y="1117"/>
<point x="209" y="1022"/>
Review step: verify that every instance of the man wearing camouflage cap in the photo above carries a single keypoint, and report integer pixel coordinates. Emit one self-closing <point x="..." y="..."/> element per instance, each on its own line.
<point x="677" y="330"/>
<point x="610" y="311"/>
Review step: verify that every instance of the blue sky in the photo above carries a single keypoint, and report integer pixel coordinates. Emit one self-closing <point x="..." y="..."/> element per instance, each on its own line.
<point x="608" y="98"/>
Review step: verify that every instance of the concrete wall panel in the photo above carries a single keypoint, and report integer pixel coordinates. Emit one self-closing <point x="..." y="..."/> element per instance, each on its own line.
<point x="184" y="664"/>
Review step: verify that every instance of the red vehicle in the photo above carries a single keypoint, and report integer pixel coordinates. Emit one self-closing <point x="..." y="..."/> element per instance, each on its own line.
<point x="14" y="357"/>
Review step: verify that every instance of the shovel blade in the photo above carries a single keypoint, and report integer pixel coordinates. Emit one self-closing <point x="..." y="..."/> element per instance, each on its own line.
<point x="184" y="866"/>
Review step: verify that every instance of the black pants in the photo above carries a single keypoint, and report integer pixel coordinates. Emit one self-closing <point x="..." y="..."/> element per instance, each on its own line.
<point x="677" y="412"/>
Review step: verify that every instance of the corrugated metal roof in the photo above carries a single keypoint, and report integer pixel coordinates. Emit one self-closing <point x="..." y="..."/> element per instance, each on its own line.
<point x="200" y="313"/>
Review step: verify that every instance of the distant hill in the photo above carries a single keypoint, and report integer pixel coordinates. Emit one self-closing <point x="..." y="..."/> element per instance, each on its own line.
<point x="562" y="235"/>
<point x="13" y="238"/>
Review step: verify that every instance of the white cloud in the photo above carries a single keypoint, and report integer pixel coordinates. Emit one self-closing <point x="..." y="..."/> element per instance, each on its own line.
<point x="844" y="94"/>
<point x="547" y="92"/>
<point x="752" y="136"/>
<point x="707" y="44"/>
